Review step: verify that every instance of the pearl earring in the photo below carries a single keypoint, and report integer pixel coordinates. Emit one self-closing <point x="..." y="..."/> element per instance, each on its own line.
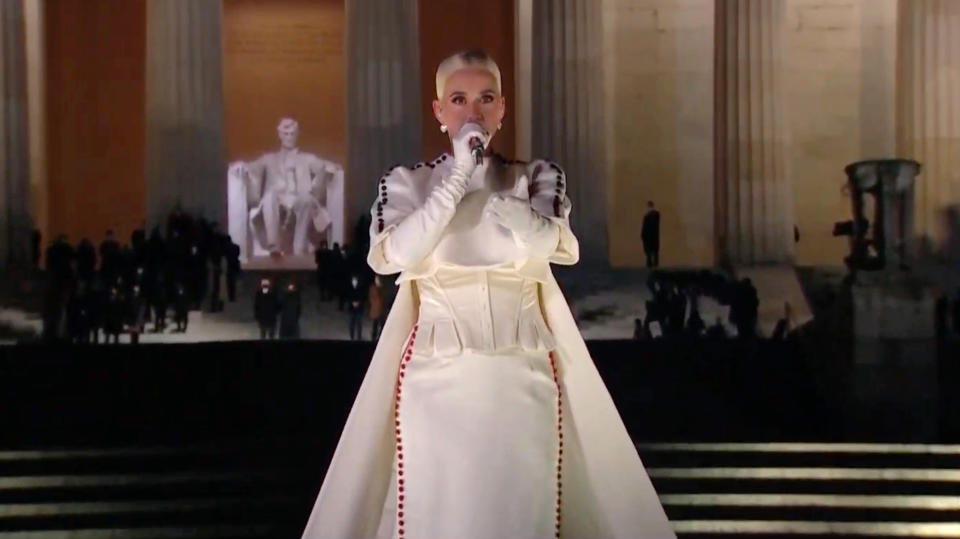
<point x="500" y="125"/>
<point x="443" y="128"/>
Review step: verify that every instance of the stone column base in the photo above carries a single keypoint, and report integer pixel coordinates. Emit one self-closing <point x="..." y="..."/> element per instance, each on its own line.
<point x="892" y="307"/>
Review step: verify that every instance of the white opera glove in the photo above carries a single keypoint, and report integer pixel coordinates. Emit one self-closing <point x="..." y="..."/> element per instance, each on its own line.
<point x="464" y="161"/>
<point x="537" y="234"/>
<point x="418" y="233"/>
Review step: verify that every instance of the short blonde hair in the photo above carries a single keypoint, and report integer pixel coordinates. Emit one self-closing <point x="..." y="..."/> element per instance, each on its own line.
<point x="468" y="58"/>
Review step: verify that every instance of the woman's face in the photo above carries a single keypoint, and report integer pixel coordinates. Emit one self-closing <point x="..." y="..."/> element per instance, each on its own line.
<point x="470" y="95"/>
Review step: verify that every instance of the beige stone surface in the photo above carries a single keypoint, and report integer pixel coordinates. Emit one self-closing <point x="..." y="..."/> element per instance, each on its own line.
<point x="839" y="64"/>
<point x="928" y="114"/>
<point x="839" y="76"/>
<point x="658" y="60"/>
<point x="754" y="206"/>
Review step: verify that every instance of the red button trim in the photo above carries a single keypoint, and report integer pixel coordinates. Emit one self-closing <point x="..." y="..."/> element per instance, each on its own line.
<point x="404" y="359"/>
<point x="556" y="380"/>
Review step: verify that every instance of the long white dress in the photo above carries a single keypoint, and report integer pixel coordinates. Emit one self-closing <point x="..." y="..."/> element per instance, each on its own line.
<point x="482" y="415"/>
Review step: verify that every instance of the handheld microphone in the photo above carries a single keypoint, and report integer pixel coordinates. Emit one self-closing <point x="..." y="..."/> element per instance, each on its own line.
<point x="476" y="147"/>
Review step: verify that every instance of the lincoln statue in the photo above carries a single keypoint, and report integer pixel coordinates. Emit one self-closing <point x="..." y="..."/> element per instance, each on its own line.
<point x="286" y="201"/>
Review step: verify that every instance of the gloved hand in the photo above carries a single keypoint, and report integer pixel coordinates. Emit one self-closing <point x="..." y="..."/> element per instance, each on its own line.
<point x="419" y="232"/>
<point x="464" y="162"/>
<point x="513" y="211"/>
<point x="462" y="153"/>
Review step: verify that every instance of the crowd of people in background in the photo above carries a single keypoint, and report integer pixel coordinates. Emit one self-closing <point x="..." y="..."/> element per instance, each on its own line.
<point x="344" y="275"/>
<point x="103" y="292"/>
<point x="98" y="293"/>
<point x="355" y="290"/>
<point x="675" y="308"/>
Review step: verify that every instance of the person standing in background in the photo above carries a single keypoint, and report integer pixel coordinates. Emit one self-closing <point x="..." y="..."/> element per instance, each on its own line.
<point x="290" y="312"/>
<point x="266" y="306"/>
<point x="355" y="300"/>
<point x="650" y="235"/>
<point x="233" y="268"/>
<point x="181" y="307"/>
<point x="377" y="313"/>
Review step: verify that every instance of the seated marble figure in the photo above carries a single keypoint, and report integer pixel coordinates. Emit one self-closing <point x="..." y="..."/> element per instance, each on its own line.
<point x="285" y="202"/>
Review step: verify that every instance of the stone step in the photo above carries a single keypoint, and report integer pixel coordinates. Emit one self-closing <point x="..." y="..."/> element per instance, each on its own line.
<point x="10" y="511"/>
<point x="260" y="510"/>
<point x="800" y="448"/>
<point x="814" y="459"/>
<point x="161" y="532"/>
<point x="830" y="487"/>
<point x="764" y="529"/>
<point x="245" y="488"/>
<point x="812" y="507"/>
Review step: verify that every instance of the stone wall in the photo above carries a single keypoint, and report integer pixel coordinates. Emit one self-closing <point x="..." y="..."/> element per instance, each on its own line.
<point x="658" y="60"/>
<point x="839" y="86"/>
<point x="839" y="90"/>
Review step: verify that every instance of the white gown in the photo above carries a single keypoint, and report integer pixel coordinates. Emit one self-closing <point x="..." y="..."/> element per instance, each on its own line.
<point x="475" y="420"/>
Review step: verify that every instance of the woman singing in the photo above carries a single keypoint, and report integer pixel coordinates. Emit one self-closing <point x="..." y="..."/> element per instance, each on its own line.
<point x="482" y="415"/>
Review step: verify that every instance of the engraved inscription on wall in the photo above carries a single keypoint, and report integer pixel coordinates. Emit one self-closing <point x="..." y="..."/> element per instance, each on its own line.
<point x="299" y="42"/>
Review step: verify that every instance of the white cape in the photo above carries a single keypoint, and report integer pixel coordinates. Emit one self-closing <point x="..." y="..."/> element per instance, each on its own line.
<point x="607" y="494"/>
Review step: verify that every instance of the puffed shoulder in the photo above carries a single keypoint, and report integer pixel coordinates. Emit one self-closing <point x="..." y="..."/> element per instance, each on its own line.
<point x="547" y="185"/>
<point x="548" y="189"/>
<point x="404" y="189"/>
<point x="400" y="191"/>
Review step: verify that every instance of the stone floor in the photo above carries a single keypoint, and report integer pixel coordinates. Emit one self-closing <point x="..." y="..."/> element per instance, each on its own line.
<point x="604" y="303"/>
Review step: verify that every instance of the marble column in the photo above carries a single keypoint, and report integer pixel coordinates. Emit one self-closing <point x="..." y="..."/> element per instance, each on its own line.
<point x="567" y="111"/>
<point x="752" y="189"/>
<point x="15" y="226"/>
<point x="928" y="112"/>
<point x="185" y="155"/>
<point x="383" y="96"/>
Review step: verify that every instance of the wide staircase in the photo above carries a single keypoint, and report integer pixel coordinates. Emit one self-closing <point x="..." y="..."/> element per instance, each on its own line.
<point x="808" y="490"/>
<point x="265" y="488"/>
<point x="244" y="488"/>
